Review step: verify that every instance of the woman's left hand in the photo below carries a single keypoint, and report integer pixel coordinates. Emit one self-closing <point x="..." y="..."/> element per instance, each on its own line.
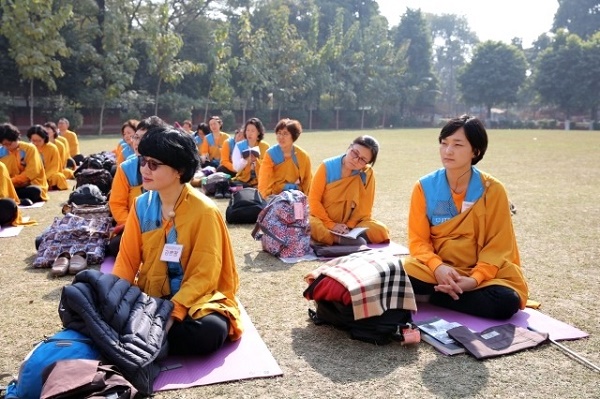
<point x="464" y="283"/>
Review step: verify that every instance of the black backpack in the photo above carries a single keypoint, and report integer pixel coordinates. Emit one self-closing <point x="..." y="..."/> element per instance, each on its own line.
<point x="101" y="178"/>
<point x="244" y="206"/>
<point x="378" y="330"/>
<point x="87" y="194"/>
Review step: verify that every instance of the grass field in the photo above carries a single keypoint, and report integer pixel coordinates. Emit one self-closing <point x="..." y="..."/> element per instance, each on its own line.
<point x="553" y="179"/>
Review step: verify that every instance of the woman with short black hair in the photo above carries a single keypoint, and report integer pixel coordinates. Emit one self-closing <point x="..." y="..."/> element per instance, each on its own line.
<point x="176" y="245"/>
<point x="463" y="250"/>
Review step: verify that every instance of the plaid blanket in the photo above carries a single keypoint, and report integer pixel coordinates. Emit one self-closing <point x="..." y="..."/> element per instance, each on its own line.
<point x="375" y="279"/>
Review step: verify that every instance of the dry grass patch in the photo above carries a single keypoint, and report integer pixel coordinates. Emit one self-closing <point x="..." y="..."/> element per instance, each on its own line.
<point x="551" y="176"/>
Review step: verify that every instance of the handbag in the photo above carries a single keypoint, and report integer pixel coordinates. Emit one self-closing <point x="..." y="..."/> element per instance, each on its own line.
<point x="83" y="378"/>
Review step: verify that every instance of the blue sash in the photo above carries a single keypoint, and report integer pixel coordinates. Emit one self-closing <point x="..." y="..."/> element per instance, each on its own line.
<point x="438" y="196"/>
<point x="131" y="169"/>
<point x="333" y="168"/>
<point x="148" y="208"/>
<point x="211" y="139"/>
<point x="276" y="154"/>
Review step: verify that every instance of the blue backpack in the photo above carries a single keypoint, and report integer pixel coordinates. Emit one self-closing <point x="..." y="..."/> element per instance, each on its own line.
<point x="66" y="344"/>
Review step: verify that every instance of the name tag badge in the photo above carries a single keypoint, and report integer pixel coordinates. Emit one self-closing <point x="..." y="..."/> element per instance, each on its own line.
<point x="171" y="253"/>
<point x="466" y="205"/>
<point x="298" y="211"/>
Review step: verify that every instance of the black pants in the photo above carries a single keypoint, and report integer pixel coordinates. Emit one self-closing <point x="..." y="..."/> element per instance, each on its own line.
<point x="198" y="336"/>
<point x="33" y="193"/>
<point x="8" y="211"/>
<point x="492" y="302"/>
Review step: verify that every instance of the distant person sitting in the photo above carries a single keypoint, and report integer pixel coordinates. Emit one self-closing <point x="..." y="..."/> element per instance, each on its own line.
<point x="285" y="166"/>
<point x="63" y="128"/>
<point x="342" y="195"/>
<point x="127" y="183"/>
<point x="9" y="200"/>
<point x="24" y="165"/>
<point x="51" y="158"/>
<point x="245" y="160"/>
<point x="213" y="142"/>
<point x="463" y="251"/>
<point x="67" y="163"/>
<point x="201" y="132"/>
<point x="125" y="147"/>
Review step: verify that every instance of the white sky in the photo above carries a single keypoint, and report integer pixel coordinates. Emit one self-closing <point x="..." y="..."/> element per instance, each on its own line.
<point x="490" y="20"/>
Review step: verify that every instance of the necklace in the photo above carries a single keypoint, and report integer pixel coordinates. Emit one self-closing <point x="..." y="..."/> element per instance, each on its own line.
<point x="455" y="190"/>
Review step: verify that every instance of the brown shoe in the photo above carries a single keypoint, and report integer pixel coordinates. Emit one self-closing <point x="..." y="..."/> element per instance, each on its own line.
<point x="61" y="264"/>
<point x="78" y="262"/>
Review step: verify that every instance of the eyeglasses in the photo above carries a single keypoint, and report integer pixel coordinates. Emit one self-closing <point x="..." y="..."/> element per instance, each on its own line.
<point x="152" y="164"/>
<point x="283" y="133"/>
<point x="356" y="155"/>
<point x="136" y="137"/>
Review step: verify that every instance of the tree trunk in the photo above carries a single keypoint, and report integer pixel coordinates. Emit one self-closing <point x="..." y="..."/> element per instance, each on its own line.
<point x="31" y="103"/>
<point x="156" y="97"/>
<point x="101" y="121"/>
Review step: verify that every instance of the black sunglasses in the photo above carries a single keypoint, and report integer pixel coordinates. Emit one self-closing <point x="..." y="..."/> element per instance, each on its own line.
<point x="152" y="164"/>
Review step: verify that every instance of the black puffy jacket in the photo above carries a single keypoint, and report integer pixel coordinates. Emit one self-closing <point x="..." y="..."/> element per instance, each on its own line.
<point x="127" y="325"/>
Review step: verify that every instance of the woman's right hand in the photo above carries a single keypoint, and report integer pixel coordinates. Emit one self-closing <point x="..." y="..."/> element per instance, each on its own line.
<point x="340" y="228"/>
<point x="447" y="279"/>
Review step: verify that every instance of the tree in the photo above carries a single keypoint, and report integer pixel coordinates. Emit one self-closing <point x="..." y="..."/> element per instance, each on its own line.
<point x="105" y="35"/>
<point x="567" y="74"/>
<point x="162" y="47"/>
<point x="251" y="66"/>
<point x="453" y="44"/>
<point x="494" y="75"/>
<point x="581" y="17"/>
<point x="419" y="87"/>
<point x="32" y="29"/>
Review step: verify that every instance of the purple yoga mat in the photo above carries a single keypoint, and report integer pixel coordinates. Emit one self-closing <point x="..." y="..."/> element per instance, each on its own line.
<point x="249" y="357"/>
<point x="538" y="321"/>
<point x="246" y="358"/>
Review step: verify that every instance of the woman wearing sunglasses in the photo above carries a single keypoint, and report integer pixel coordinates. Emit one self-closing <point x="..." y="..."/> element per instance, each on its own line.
<point x="342" y="196"/>
<point x="175" y="245"/>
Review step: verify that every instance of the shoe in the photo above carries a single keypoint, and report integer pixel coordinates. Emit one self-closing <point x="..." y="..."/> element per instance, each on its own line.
<point x="219" y="193"/>
<point x="227" y="193"/>
<point x="25" y="202"/>
<point x="60" y="267"/>
<point x="78" y="262"/>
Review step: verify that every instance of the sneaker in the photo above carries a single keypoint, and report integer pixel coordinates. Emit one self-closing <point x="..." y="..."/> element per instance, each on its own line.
<point x="219" y="194"/>
<point x="227" y="193"/>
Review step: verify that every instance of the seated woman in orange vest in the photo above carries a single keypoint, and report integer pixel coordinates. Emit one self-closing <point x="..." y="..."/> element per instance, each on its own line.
<point x="342" y="195"/>
<point x="65" y="160"/>
<point x="124" y="149"/>
<point x="245" y="160"/>
<point x="463" y="251"/>
<point x="285" y="165"/>
<point x="63" y="129"/>
<point x="127" y="183"/>
<point x="50" y="157"/>
<point x="9" y="200"/>
<point x="176" y="245"/>
<point x="213" y="142"/>
<point x="24" y="165"/>
<point x="201" y="132"/>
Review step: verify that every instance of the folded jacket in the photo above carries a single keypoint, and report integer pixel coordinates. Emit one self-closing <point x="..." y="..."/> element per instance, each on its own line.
<point x="497" y="340"/>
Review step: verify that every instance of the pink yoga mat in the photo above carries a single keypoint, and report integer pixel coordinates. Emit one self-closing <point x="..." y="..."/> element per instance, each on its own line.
<point x="538" y="321"/>
<point x="246" y="358"/>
